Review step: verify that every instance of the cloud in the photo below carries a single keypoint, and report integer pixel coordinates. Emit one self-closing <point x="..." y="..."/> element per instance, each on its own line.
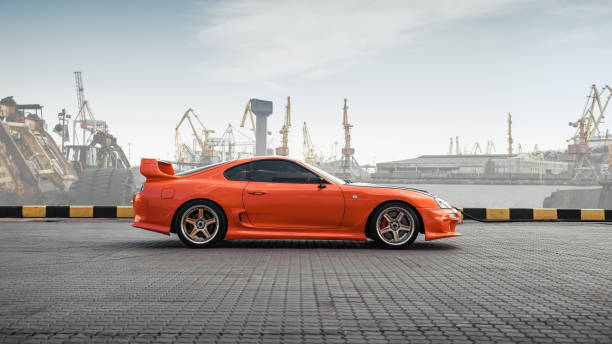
<point x="270" y="40"/>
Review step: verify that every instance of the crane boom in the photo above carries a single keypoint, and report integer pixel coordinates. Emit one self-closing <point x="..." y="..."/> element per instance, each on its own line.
<point x="80" y="90"/>
<point x="588" y="124"/>
<point x="248" y="112"/>
<point x="602" y="109"/>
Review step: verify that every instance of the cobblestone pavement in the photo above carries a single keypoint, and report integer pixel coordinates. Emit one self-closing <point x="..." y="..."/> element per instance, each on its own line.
<point x="104" y="281"/>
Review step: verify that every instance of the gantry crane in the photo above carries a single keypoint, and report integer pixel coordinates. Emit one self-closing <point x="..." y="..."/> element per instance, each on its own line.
<point x="284" y="148"/>
<point x="207" y="153"/>
<point x="588" y="127"/>
<point x="309" y="152"/>
<point x="347" y="150"/>
<point x="248" y="112"/>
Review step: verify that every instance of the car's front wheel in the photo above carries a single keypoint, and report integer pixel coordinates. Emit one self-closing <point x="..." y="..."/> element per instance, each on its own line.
<point x="394" y="225"/>
<point x="200" y="223"/>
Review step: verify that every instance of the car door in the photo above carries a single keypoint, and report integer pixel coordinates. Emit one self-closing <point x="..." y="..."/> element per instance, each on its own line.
<point x="283" y="194"/>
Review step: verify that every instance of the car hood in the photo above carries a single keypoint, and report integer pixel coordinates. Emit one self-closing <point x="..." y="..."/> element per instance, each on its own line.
<point x="368" y="185"/>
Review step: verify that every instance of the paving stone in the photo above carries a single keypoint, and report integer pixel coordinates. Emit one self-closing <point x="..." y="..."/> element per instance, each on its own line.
<point x="103" y="281"/>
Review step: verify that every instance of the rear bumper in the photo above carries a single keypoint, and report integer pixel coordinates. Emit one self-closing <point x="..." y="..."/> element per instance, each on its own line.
<point x="440" y="223"/>
<point x="145" y="221"/>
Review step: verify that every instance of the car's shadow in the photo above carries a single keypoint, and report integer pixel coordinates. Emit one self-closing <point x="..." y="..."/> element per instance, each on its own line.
<point x="296" y="244"/>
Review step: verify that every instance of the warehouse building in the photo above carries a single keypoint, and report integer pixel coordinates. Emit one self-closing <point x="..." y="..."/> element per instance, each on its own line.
<point x="450" y="166"/>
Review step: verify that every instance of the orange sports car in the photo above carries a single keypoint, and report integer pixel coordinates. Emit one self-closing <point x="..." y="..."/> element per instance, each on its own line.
<point x="281" y="198"/>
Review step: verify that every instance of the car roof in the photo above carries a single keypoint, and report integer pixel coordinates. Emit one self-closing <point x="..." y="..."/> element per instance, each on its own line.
<point x="270" y="157"/>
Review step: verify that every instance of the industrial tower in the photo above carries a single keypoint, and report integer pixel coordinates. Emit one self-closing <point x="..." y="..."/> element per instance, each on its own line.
<point x="347" y="150"/>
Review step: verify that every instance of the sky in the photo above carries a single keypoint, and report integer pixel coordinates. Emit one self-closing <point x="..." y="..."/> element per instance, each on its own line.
<point x="414" y="72"/>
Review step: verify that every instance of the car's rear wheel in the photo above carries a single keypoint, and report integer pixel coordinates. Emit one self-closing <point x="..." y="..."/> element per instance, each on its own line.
<point x="394" y="225"/>
<point x="200" y="223"/>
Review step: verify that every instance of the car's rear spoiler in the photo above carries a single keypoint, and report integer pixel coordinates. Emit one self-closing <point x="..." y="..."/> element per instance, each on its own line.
<point x="156" y="169"/>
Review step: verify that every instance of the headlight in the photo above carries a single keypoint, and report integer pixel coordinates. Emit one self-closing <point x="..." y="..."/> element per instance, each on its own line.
<point x="443" y="204"/>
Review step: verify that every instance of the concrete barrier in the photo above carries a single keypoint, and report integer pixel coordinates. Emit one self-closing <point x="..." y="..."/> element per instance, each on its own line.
<point x="536" y="214"/>
<point x="65" y="211"/>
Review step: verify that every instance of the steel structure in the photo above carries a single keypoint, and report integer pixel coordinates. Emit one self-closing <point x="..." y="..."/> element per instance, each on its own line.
<point x="207" y="154"/>
<point x="249" y="113"/>
<point x="98" y="148"/>
<point x="229" y="147"/>
<point x="284" y="148"/>
<point x="85" y="118"/>
<point x="347" y="150"/>
<point x="309" y="151"/>
<point x="32" y="167"/>
<point x="587" y="127"/>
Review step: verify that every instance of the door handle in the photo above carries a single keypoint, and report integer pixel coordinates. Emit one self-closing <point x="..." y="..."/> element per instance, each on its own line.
<point x="257" y="193"/>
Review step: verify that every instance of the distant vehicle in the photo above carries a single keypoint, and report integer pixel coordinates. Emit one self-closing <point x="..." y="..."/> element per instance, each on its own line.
<point x="281" y="198"/>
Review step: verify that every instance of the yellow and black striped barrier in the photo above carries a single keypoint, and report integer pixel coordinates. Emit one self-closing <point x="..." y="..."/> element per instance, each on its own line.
<point x="479" y="214"/>
<point x="65" y="211"/>
<point x="536" y="214"/>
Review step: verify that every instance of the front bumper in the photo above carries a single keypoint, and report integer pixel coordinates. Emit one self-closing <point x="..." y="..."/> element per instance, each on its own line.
<point x="440" y="223"/>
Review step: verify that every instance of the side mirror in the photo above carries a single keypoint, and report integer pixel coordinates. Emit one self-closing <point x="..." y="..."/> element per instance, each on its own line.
<point x="322" y="183"/>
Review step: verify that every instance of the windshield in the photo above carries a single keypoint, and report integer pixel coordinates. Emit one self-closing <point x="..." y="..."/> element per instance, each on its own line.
<point x="198" y="169"/>
<point x="327" y="175"/>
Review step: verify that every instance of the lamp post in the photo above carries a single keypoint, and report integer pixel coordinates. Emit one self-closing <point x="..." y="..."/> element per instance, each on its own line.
<point x="64" y="118"/>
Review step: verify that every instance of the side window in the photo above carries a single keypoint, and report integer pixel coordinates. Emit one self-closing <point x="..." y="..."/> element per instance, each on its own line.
<point x="237" y="172"/>
<point x="280" y="171"/>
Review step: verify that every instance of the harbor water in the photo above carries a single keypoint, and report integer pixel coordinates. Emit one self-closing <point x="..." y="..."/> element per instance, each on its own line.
<point x="494" y="196"/>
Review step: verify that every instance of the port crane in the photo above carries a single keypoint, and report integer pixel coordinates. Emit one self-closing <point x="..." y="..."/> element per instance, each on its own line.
<point x="85" y="117"/>
<point x="98" y="148"/>
<point x="587" y="127"/>
<point x="588" y="124"/>
<point x="206" y="152"/>
<point x="309" y="152"/>
<point x="347" y="150"/>
<point x="284" y="148"/>
<point x="229" y="147"/>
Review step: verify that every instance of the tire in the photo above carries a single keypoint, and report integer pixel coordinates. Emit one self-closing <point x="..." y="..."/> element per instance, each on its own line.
<point x="210" y="225"/>
<point x="394" y="225"/>
<point x="103" y="187"/>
